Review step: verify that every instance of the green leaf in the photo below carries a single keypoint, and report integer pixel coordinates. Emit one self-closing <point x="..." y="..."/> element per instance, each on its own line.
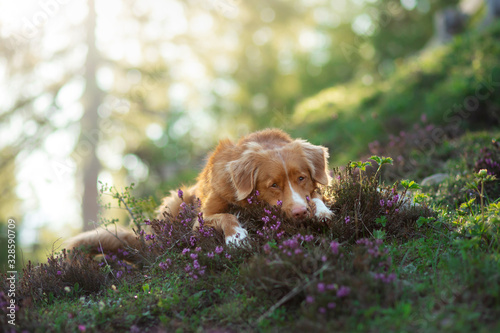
<point x="379" y="234"/>
<point x="382" y="160"/>
<point x="381" y="220"/>
<point x="361" y="165"/>
<point x="410" y="185"/>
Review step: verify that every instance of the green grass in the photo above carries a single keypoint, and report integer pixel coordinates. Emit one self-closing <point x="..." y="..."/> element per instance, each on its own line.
<point x="446" y="266"/>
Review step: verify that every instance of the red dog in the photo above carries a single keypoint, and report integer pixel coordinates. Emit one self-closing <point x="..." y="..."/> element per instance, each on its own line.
<point x="269" y="161"/>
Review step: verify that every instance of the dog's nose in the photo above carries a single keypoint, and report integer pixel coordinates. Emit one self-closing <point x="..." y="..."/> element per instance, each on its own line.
<point x="299" y="212"/>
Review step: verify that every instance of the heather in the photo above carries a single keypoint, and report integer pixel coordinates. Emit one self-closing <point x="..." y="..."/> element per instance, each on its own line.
<point x="391" y="256"/>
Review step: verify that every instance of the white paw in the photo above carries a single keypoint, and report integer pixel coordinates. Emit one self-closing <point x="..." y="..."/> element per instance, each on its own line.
<point x="239" y="236"/>
<point x="322" y="212"/>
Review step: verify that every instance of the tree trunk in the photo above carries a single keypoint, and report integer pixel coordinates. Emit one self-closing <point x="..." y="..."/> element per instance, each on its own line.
<point x="89" y="136"/>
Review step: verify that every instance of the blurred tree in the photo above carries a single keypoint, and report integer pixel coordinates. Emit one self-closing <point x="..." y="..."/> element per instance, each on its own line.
<point x="137" y="91"/>
<point x="92" y="99"/>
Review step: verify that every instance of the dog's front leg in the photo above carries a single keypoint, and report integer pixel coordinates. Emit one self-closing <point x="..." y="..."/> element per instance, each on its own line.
<point x="322" y="212"/>
<point x="213" y="208"/>
<point x="229" y="225"/>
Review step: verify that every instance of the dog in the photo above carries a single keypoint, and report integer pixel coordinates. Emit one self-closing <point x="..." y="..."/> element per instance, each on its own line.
<point x="283" y="171"/>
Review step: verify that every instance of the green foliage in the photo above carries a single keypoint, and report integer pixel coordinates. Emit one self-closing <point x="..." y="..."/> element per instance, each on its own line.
<point x="434" y="87"/>
<point x="394" y="268"/>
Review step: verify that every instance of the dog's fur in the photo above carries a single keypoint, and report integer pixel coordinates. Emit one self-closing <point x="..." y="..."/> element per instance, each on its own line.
<point x="270" y="162"/>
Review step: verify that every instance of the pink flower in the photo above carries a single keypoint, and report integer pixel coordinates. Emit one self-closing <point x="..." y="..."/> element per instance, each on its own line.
<point x="335" y="247"/>
<point x="309" y="299"/>
<point x="82" y="328"/>
<point x="343" y="291"/>
<point x="219" y="249"/>
<point x="321" y="287"/>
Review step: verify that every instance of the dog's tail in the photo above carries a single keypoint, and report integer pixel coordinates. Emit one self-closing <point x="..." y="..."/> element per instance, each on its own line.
<point x="103" y="240"/>
<point x="171" y="204"/>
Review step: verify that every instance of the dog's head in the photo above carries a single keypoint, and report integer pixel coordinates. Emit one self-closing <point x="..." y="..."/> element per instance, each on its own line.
<point x="288" y="173"/>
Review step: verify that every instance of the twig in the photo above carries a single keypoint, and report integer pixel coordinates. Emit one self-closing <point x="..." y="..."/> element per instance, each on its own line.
<point x="291" y="294"/>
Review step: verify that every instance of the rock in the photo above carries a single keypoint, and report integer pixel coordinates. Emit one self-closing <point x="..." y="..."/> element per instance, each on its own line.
<point x="435" y="179"/>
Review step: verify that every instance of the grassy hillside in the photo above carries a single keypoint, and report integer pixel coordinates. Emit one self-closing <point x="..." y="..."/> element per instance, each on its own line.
<point x="455" y="87"/>
<point x="389" y="261"/>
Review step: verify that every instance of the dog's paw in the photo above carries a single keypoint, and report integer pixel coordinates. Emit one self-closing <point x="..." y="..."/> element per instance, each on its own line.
<point x="322" y="212"/>
<point x="238" y="237"/>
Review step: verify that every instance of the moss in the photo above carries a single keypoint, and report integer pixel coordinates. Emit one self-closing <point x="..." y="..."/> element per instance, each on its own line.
<point x="433" y="84"/>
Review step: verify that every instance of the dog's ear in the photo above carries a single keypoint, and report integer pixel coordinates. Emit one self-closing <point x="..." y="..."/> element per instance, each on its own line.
<point x="243" y="174"/>
<point x="317" y="156"/>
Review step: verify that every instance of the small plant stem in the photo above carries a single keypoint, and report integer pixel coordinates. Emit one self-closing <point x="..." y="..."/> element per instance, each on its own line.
<point x="291" y="294"/>
<point x="482" y="201"/>
<point x="120" y="198"/>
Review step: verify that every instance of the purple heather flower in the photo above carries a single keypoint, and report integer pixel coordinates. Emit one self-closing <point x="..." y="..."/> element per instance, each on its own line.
<point x="331" y="305"/>
<point x="228" y="256"/>
<point x="382" y="203"/>
<point x="324" y="258"/>
<point x="266" y="248"/>
<point x="257" y="193"/>
<point x="210" y="254"/>
<point x="343" y="291"/>
<point x="347" y="219"/>
<point x="198" y="249"/>
<point x="322" y="310"/>
<point x="279" y="203"/>
<point x="309" y="299"/>
<point x="196" y="264"/>
<point x="309" y="238"/>
<point x="59" y="272"/>
<point x="219" y="249"/>
<point x="193" y="256"/>
<point x="335" y="247"/>
<point x="321" y="287"/>
<point x="119" y="274"/>
<point x="180" y="193"/>
<point x="186" y="250"/>
<point x="307" y="198"/>
<point x="82" y="328"/>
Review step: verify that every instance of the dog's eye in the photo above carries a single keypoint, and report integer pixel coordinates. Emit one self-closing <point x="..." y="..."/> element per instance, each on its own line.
<point x="274" y="185"/>
<point x="301" y="178"/>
